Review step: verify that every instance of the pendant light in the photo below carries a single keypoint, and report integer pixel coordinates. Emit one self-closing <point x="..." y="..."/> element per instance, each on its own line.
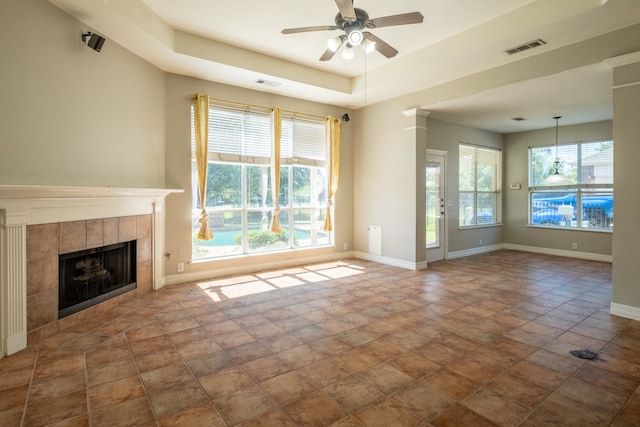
<point x="556" y="178"/>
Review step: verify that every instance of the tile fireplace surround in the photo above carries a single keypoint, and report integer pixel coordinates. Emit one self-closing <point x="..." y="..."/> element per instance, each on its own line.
<point x="67" y="217"/>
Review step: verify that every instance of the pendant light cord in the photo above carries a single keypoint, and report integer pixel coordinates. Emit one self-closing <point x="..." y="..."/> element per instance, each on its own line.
<point x="557" y="118"/>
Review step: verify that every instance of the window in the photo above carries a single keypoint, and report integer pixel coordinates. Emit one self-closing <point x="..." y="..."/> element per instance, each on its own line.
<point x="583" y="199"/>
<point x="239" y="191"/>
<point x="480" y="185"/>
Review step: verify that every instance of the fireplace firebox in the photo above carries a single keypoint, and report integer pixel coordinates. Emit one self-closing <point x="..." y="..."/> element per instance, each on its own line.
<point x="91" y="276"/>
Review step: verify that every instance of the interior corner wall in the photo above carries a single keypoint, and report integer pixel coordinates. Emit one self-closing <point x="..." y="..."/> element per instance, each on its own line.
<point x="626" y="238"/>
<point x="516" y="202"/>
<point x="178" y="219"/>
<point x="70" y="115"/>
<point x="445" y="136"/>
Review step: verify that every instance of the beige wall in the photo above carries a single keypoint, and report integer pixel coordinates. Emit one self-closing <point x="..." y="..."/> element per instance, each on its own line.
<point x="385" y="180"/>
<point x="516" y="202"/>
<point x="70" y="115"/>
<point x="178" y="175"/>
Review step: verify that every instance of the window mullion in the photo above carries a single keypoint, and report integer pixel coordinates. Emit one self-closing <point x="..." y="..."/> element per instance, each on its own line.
<point x="245" y="214"/>
<point x="290" y="207"/>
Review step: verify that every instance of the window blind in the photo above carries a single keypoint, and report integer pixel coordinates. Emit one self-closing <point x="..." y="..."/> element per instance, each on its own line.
<point x="303" y="142"/>
<point x="238" y="136"/>
<point x="480" y="182"/>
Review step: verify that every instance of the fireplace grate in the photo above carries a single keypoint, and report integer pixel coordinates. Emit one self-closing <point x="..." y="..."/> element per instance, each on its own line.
<point x="91" y="276"/>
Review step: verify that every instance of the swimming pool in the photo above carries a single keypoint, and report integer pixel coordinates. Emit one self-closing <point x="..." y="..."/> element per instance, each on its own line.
<point x="226" y="237"/>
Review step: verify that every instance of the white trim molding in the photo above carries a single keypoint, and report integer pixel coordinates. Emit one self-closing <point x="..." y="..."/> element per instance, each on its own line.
<point x="420" y="265"/>
<point x="416" y="111"/>
<point x="622" y="60"/>
<point x="474" y="251"/>
<point x="214" y="273"/>
<point x="560" y="252"/>
<point x="625" y="311"/>
<point x="22" y="205"/>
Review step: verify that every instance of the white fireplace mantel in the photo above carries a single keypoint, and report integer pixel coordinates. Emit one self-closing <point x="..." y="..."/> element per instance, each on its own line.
<point x="22" y="205"/>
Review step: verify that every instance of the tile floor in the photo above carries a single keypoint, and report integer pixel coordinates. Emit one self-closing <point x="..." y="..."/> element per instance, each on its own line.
<point x="478" y="341"/>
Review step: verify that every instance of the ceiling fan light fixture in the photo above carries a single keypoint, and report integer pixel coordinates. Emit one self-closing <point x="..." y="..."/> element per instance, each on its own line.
<point x="334" y="43"/>
<point x="355" y="37"/>
<point x="354" y="24"/>
<point x="347" y="52"/>
<point x="368" y="46"/>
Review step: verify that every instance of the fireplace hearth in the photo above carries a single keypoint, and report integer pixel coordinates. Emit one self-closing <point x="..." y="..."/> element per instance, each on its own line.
<point x="91" y="276"/>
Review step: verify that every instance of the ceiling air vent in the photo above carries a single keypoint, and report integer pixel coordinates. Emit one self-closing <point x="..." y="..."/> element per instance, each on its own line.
<point x="526" y="46"/>
<point x="268" y="83"/>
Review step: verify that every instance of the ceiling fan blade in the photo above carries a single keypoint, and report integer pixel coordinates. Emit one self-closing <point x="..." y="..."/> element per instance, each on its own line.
<point x="402" y="19"/>
<point x="308" y="29"/>
<point x="346" y="10"/>
<point x="327" y="55"/>
<point x="381" y="46"/>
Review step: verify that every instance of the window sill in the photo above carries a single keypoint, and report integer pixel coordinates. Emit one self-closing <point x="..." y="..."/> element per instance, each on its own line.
<point x="471" y="227"/>
<point x="259" y="254"/>
<point x="555" y="227"/>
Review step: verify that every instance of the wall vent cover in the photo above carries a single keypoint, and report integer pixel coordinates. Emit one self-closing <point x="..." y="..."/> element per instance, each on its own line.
<point x="525" y="46"/>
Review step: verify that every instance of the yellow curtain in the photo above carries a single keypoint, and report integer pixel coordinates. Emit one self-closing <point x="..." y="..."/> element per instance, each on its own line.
<point x="333" y="135"/>
<point x="201" y="125"/>
<point x="276" y="134"/>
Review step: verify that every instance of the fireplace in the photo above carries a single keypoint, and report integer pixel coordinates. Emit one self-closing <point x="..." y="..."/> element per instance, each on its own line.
<point x="91" y="276"/>
<point x="40" y="223"/>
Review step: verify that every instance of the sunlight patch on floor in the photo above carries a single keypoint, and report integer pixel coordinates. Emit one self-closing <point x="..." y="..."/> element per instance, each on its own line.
<point x="240" y="286"/>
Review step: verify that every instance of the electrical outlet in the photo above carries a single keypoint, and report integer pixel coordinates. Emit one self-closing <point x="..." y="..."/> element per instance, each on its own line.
<point x="345" y="246"/>
<point x="574" y="245"/>
<point x="180" y="267"/>
<point x="480" y="242"/>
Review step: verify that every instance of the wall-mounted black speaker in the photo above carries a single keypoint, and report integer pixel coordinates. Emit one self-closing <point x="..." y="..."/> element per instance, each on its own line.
<point x="345" y="117"/>
<point x="95" y="41"/>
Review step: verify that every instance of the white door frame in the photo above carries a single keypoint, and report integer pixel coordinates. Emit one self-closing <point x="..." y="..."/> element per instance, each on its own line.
<point x="444" y="233"/>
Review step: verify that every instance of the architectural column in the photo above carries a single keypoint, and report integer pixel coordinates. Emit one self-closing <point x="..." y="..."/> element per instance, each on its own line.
<point x="626" y="131"/>
<point x="419" y="130"/>
<point x="13" y="281"/>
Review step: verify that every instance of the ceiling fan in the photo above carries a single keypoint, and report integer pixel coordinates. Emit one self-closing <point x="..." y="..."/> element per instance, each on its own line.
<point x="353" y="21"/>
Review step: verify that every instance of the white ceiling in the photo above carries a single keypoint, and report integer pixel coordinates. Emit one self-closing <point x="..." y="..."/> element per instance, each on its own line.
<point x="459" y="46"/>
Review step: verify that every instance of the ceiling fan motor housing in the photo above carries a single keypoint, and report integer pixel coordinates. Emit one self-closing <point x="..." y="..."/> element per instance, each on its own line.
<point x="353" y="29"/>
<point x="361" y="19"/>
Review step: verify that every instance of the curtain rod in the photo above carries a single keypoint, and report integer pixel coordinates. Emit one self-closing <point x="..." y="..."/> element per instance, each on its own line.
<point x="268" y="109"/>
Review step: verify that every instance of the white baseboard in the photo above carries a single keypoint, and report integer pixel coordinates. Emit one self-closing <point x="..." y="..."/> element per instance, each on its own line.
<point x="625" y="311"/>
<point x="255" y="267"/>
<point x="391" y="261"/>
<point x="217" y="272"/>
<point x="560" y="252"/>
<point x="474" y="251"/>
